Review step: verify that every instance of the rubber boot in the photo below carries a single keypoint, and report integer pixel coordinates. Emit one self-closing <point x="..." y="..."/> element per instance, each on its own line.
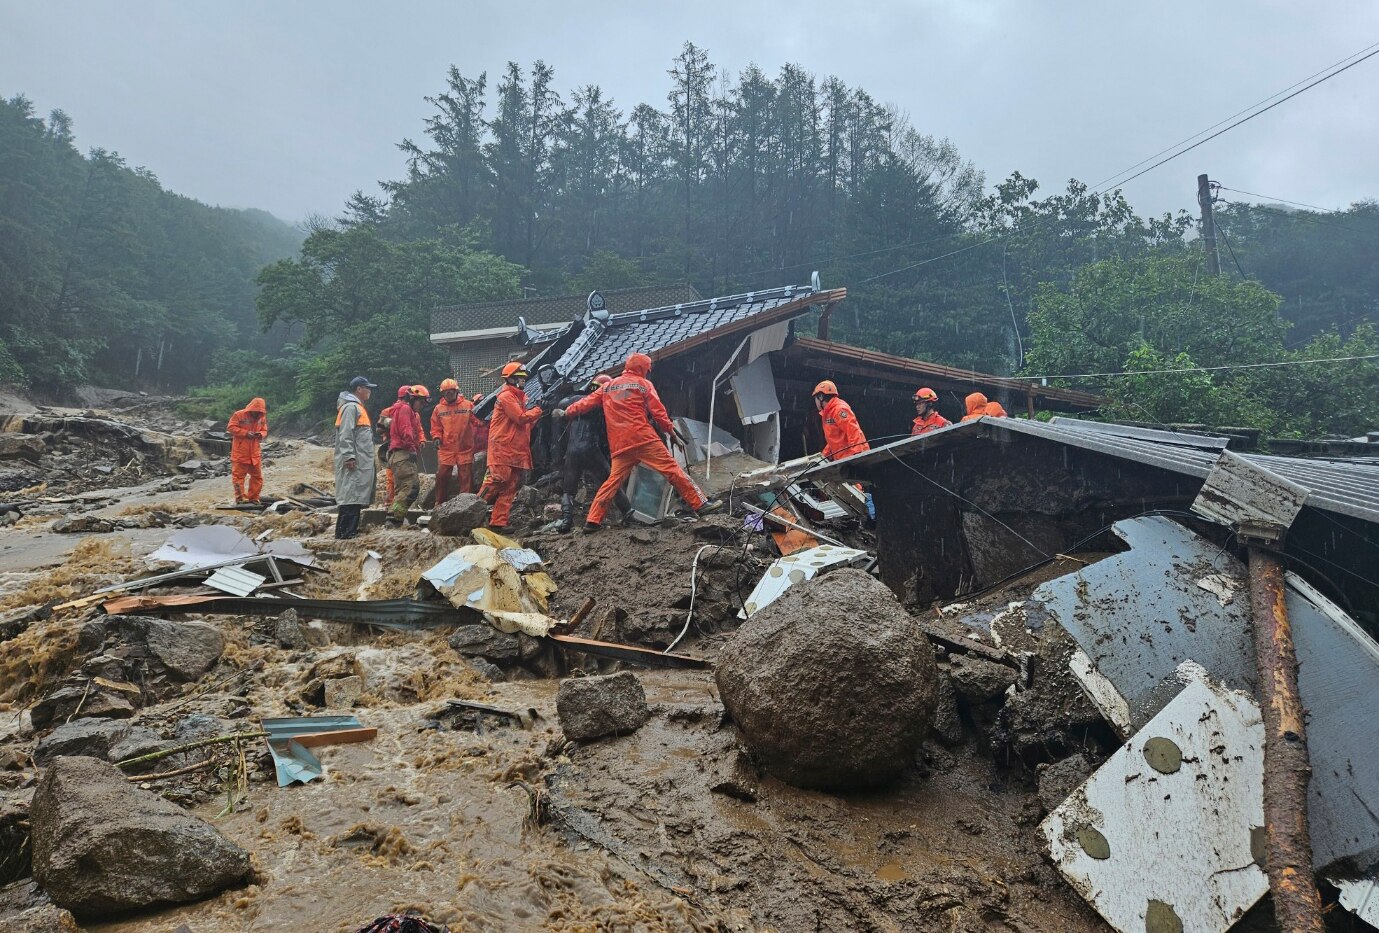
<point x="567" y="514"/>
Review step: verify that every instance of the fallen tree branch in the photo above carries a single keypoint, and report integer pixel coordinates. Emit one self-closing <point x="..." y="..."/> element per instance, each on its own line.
<point x="199" y="766"/>
<point x="199" y="743"/>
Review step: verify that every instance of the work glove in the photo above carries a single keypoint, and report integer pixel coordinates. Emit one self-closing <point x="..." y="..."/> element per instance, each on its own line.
<point x="676" y="438"/>
<point x="558" y="413"/>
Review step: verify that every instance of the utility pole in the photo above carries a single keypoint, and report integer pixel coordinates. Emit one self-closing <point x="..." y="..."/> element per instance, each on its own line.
<point x="1208" y="225"/>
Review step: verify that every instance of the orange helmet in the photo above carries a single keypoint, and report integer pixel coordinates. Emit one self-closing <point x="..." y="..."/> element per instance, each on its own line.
<point x="515" y="369"/>
<point x="926" y="395"/>
<point x="420" y="391"/>
<point x="448" y="384"/>
<point x="825" y="388"/>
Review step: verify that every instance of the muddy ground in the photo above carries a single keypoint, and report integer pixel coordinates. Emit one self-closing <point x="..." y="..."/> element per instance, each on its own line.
<point x="484" y="825"/>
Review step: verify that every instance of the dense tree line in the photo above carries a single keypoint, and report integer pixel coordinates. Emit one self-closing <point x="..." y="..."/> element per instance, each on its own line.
<point x="106" y="276"/>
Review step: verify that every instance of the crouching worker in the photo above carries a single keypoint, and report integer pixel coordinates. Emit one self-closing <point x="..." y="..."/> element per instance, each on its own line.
<point x="354" y="457"/>
<point x="634" y="414"/>
<point x="509" y="445"/>
<point x="585" y="455"/>
<point x="247" y="429"/>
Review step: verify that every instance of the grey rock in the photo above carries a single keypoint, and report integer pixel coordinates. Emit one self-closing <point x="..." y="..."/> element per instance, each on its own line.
<point x="287" y="631"/>
<point x="1059" y="779"/>
<point x="137" y="742"/>
<point x="21" y="447"/>
<point x="978" y="681"/>
<point x="94" y="701"/>
<point x="82" y="524"/>
<point x="458" y="516"/>
<point x="102" y="845"/>
<point x="485" y="641"/>
<point x="735" y="777"/>
<point x="25" y="908"/>
<point x="592" y="707"/>
<point x="487" y="670"/>
<point x="833" y="685"/>
<point x="191" y="466"/>
<point x="344" y="692"/>
<point x="95" y="738"/>
<point x="199" y="726"/>
<point x="182" y="651"/>
<point x="947" y="719"/>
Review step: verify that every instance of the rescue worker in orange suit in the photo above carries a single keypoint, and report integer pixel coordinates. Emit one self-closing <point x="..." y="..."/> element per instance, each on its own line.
<point x="509" y="445"/>
<point x="480" y="443"/>
<point x="452" y="428"/>
<point x="979" y="405"/>
<point x="385" y="424"/>
<point x="843" y="436"/>
<point x="585" y="455"/>
<point x="927" y="417"/>
<point x="634" y="413"/>
<point x="247" y="428"/>
<point x="404" y="444"/>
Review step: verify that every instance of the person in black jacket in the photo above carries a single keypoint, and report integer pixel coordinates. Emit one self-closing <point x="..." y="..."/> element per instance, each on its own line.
<point x="585" y="456"/>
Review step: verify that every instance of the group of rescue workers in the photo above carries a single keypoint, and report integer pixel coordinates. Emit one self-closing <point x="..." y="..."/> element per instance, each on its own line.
<point x="624" y="411"/>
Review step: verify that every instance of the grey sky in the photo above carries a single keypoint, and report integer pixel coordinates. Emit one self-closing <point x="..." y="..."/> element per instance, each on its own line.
<point x="292" y="106"/>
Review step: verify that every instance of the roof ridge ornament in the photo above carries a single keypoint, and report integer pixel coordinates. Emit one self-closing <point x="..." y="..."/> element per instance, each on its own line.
<point x="598" y="308"/>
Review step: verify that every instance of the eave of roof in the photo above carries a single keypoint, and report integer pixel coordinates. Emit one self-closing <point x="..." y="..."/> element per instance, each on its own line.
<point x="1343" y="488"/>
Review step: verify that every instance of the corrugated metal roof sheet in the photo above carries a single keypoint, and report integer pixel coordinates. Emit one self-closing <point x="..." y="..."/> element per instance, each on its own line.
<point x="557" y="309"/>
<point x="1340" y="487"/>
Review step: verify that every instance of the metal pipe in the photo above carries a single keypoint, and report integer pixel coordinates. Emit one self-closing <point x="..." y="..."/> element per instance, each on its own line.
<point x="1297" y="904"/>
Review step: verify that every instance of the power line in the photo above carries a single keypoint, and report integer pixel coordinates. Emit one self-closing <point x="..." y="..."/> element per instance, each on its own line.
<point x="1310" y="207"/>
<point x="1327" y="77"/>
<point x="1202" y="369"/>
<point x="925" y="262"/>
<point x="1236" y="114"/>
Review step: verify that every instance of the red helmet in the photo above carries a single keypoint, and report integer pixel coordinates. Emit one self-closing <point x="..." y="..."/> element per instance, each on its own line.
<point x="404" y="392"/>
<point x="825" y="388"/>
<point x="926" y="395"/>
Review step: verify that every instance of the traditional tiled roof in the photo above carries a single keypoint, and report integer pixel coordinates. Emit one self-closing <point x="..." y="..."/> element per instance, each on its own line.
<point x="448" y="322"/>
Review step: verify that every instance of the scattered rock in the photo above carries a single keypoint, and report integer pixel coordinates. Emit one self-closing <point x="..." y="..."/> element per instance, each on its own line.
<point x="93" y="701"/>
<point x="592" y="707"/>
<point x="833" y="685"/>
<point x="1059" y="779"/>
<point x="487" y="670"/>
<point x="21" y="447"/>
<point x="947" y="719"/>
<point x="24" y="908"/>
<point x="95" y="738"/>
<point x="199" y="726"/>
<point x="154" y="648"/>
<point x="485" y="641"/>
<point x="736" y="778"/>
<point x="82" y="524"/>
<point x="102" y="845"/>
<point x="287" y="631"/>
<point x="979" y="681"/>
<point x="459" y="516"/>
<point x="344" y="692"/>
<point x="191" y="466"/>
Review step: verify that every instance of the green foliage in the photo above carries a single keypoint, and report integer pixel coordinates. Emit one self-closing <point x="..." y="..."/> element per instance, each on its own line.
<point x="1161" y="313"/>
<point x="363" y="303"/>
<point x="105" y="275"/>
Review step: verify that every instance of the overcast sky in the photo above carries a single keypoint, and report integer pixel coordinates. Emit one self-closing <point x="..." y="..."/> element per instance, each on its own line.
<point x="291" y="106"/>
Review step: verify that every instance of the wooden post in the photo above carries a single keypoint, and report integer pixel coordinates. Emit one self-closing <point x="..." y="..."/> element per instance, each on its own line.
<point x="1208" y="225"/>
<point x="1297" y="904"/>
<point x="1029" y="403"/>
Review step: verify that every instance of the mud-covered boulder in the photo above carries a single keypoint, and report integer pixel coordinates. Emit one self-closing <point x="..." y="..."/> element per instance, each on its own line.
<point x="592" y="707"/>
<point x="979" y="681"/>
<point x="183" y="650"/>
<point x="102" y="845"/>
<point x="93" y="700"/>
<point x="833" y="685"/>
<point x="21" y="447"/>
<point x="95" y="738"/>
<point x="458" y="516"/>
<point x="484" y="641"/>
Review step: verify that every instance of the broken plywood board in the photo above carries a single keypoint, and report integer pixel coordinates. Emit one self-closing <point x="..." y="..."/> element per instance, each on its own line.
<point x="1176" y="597"/>
<point x="1162" y="836"/>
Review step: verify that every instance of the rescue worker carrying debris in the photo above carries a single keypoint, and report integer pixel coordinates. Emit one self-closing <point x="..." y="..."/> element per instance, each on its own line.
<point x="585" y="455"/>
<point x="509" y="445"/>
<point x="978" y="405"/>
<point x="404" y="443"/>
<point x="247" y="428"/>
<point x="452" y="428"/>
<point x="927" y="417"/>
<point x="634" y="413"/>
<point x="354" y="457"/>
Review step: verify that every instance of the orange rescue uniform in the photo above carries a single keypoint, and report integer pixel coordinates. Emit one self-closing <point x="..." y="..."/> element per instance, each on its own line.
<point x="509" y="452"/>
<point x="452" y="427"/>
<point x="247" y="429"/>
<point x="930" y="422"/>
<point x="976" y="406"/>
<point x="843" y="436"/>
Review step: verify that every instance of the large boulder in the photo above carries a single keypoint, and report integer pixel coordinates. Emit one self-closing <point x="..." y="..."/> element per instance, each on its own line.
<point x="94" y="700"/>
<point x="482" y="640"/>
<point x="96" y="738"/>
<point x="21" y="447"/>
<point x="102" y="845"/>
<point x="592" y="707"/>
<point x="459" y="516"/>
<point x="833" y="685"/>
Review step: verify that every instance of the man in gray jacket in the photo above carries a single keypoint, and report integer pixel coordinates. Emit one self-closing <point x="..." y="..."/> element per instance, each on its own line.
<point x="354" y="460"/>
